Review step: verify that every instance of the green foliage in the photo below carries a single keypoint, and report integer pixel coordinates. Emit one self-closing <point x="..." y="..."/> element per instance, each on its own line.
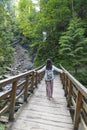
<point x="81" y="8"/>
<point x="6" y="36"/>
<point x="2" y="71"/>
<point x="73" y="45"/>
<point x="81" y="76"/>
<point x="26" y="17"/>
<point x="2" y="126"/>
<point x="54" y="16"/>
<point x="65" y="40"/>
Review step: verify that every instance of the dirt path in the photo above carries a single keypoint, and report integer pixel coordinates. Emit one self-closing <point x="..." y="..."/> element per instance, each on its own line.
<point x="22" y="61"/>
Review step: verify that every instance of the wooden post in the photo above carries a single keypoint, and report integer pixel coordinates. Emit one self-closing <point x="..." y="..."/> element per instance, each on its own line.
<point x="36" y="79"/>
<point x="39" y="74"/>
<point x="70" y="93"/>
<point x="26" y="89"/>
<point x="12" y="103"/>
<point x="32" y="82"/>
<point x="66" y="83"/>
<point x="77" y="111"/>
<point x="62" y="78"/>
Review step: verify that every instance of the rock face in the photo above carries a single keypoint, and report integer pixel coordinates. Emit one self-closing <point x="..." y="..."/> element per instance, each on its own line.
<point x="22" y="61"/>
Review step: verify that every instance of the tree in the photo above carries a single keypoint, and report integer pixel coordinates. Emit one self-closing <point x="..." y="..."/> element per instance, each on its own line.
<point x="26" y="17"/>
<point x="54" y="18"/>
<point x="73" y="45"/>
<point x="6" y="35"/>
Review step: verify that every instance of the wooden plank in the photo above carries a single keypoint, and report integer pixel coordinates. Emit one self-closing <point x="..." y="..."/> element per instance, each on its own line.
<point x="77" y="111"/>
<point x="13" y="98"/>
<point x="43" y="114"/>
<point x="83" y="124"/>
<point x="35" y="126"/>
<point x="29" y="124"/>
<point x="49" y="110"/>
<point x="47" y="117"/>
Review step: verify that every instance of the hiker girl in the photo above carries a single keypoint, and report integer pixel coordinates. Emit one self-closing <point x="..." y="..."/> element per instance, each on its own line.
<point x="49" y="76"/>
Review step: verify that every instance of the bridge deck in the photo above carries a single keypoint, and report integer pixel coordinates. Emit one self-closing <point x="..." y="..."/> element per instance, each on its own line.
<point x="43" y="114"/>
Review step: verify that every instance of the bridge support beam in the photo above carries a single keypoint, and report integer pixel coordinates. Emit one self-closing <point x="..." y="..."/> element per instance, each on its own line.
<point x="26" y="89"/>
<point x="77" y="111"/>
<point x="12" y="103"/>
<point x="70" y="93"/>
<point x="32" y="82"/>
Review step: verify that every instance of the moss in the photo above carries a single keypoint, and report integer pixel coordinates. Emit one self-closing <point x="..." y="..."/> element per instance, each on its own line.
<point x="2" y="126"/>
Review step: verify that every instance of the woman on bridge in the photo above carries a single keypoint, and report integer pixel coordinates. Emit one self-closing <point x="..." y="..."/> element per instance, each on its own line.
<point x="49" y="76"/>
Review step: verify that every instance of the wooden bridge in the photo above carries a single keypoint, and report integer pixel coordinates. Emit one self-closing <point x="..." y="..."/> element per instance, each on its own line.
<point x="67" y="110"/>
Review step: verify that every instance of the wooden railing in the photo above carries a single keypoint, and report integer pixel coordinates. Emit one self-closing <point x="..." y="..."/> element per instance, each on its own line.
<point x="76" y="95"/>
<point x="75" y="92"/>
<point x="21" y="85"/>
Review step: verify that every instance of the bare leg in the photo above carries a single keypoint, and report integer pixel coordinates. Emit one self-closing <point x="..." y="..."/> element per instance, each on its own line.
<point x="51" y="84"/>
<point x="48" y="89"/>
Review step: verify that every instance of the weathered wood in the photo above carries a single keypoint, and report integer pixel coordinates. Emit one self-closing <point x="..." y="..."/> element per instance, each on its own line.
<point x="83" y="114"/>
<point x="83" y="123"/>
<point x="85" y="106"/>
<point x="12" y="103"/>
<point x="70" y="93"/>
<point x="63" y="80"/>
<point x="36" y="79"/>
<point x="26" y="89"/>
<point x="75" y="91"/>
<point x="21" y="84"/>
<point x="44" y="114"/>
<point x="78" y="99"/>
<point x="77" y="84"/>
<point x="4" y="109"/>
<point x="13" y="92"/>
<point x="6" y="94"/>
<point x="77" y="111"/>
<point x="32" y="82"/>
<point x="19" y="95"/>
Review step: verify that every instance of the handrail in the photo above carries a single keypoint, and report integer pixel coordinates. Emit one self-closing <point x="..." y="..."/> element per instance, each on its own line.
<point x="78" y="85"/>
<point x="29" y="81"/>
<point x="76" y="95"/>
<point x="75" y="92"/>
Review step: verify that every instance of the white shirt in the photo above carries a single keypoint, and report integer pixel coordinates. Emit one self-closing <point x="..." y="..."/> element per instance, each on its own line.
<point x="53" y="68"/>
